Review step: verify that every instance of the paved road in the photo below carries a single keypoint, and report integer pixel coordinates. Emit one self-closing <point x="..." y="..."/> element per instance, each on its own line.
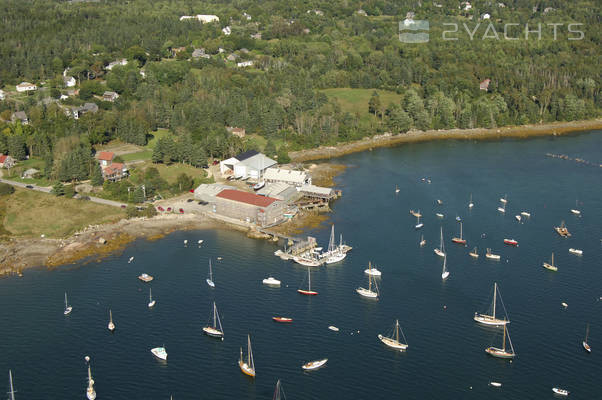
<point x="47" y="190"/>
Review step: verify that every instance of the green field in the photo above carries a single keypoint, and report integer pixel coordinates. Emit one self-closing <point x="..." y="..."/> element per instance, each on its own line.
<point x="355" y="101"/>
<point x="139" y="155"/>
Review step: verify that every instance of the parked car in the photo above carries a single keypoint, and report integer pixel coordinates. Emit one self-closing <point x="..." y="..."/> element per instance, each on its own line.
<point x="189" y="200"/>
<point x="215" y="162"/>
<point x="181" y="211"/>
<point x="203" y="202"/>
<point x="160" y="208"/>
<point x="168" y="209"/>
<point x="123" y="206"/>
<point x="29" y="187"/>
<point x="191" y="190"/>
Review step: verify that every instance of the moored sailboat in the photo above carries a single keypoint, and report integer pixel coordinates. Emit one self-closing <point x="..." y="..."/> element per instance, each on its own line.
<point x="247" y="367"/>
<point x="491" y="319"/>
<point x="10" y="381"/>
<point x="393" y="340"/>
<point x="209" y="279"/>
<point x="575" y="210"/>
<point x="470" y="203"/>
<point x="550" y="265"/>
<point x="334" y="253"/>
<point x="474" y="253"/>
<point x="151" y="302"/>
<point x="459" y="240"/>
<point x="215" y="330"/>
<point x="562" y="230"/>
<point x="586" y="345"/>
<point x="440" y="251"/>
<point x="422" y="241"/>
<point x="90" y="392"/>
<point x="503" y="352"/>
<point x="308" y="292"/>
<point x="68" y="308"/>
<point x="444" y="272"/>
<point x="492" y="256"/>
<point x="312" y="365"/>
<point x="511" y="242"/>
<point x="373" y="294"/>
<point x="111" y="325"/>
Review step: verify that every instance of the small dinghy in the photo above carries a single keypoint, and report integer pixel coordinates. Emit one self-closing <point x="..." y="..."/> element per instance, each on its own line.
<point x="313" y="365"/>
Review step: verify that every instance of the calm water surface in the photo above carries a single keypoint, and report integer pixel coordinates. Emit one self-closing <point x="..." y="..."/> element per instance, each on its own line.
<point x="446" y="357"/>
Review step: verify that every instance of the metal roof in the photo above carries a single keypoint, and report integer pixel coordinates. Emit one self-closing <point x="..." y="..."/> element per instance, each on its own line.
<point x="246" y="197"/>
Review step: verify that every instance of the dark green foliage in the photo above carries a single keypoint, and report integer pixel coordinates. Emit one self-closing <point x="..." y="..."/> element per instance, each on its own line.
<point x="131" y="212"/>
<point x="283" y="157"/>
<point x="69" y="191"/>
<point x="76" y="165"/>
<point x="138" y="195"/>
<point x="96" y="177"/>
<point x="16" y="146"/>
<point x="58" y="189"/>
<point x="6" y="189"/>
<point x="183" y="183"/>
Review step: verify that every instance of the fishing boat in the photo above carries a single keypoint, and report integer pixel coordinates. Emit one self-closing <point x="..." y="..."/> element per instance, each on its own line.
<point x="440" y="251"/>
<point x="418" y="223"/>
<point x="160" y="353"/>
<point x="145" y="277"/>
<point x="396" y="189"/>
<point x="562" y="230"/>
<point x="90" y="392"/>
<point x="278" y="392"/>
<point x="439" y="215"/>
<point x="422" y="241"/>
<point x="308" y="292"/>
<point x="209" y="279"/>
<point x="491" y="319"/>
<point x="416" y="213"/>
<point x="284" y="320"/>
<point x="10" y="381"/>
<point x="372" y="294"/>
<point x="502" y="353"/>
<point x="333" y="328"/>
<point x="574" y="210"/>
<point x="550" y="265"/>
<point x="525" y="214"/>
<point x="576" y="251"/>
<point x="585" y="345"/>
<point x="459" y="240"/>
<point x="334" y="253"/>
<point x="518" y="218"/>
<point x="247" y="367"/>
<point x="393" y="340"/>
<point x="511" y="242"/>
<point x="271" y="281"/>
<point x="151" y="302"/>
<point x="470" y="203"/>
<point x="215" y="329"/>
<point x="68" y="308"/>
<point x="111" y="325"/>
<point x="492" y="256"/>
<point x="444" y="272"/>
<point x="372" y="270"/>
<point x="312" y="365"/>
<point x="560" y="391"/>
<point x="474" y="253"/>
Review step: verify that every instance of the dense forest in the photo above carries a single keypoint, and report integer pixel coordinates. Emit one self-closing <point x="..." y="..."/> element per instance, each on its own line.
<point x="298" y="49"/>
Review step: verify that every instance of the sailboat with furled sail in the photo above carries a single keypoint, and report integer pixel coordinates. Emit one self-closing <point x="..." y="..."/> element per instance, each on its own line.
<point x="334" y="253"/>
<point x="210" y="277"/>
<point x="550" y="265"/>
<point x="247" y="367"/>
<point x="90" y="392"/>
<point x="278" y="392"/>
<point x="393" y="340"/>
<point x="68" y="308"/>
<point x="586" y="345"/>
<point x="503" y="352"/>
<point x="215" y="330"/>
<point x="459" y="240"/>
<point x="373" y="294"/>
<point x="308" y="292"/>
<point x="10" y="381"/>
<point x="440" y="251"/>
<point x="445" y="272"/>
<point x="491" y="319"/>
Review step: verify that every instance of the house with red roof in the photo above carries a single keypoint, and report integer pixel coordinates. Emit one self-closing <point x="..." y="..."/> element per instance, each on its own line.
<point x="6" y="161"/>
<point x="111" y="171"/>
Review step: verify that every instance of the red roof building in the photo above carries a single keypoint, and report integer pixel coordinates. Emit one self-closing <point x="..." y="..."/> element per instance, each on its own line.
<point x="106" y="156"/>
<point x="246" y="197"/>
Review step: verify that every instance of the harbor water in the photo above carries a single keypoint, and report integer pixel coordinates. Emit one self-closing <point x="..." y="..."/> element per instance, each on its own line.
<point x="446" y="357"/>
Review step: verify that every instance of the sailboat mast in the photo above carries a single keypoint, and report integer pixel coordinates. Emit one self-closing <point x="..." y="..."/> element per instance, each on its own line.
<point x="552" y="259"/>
<point x="504" y="342"/>
<point x="214" y="312"/>
<point x="309" y="279"/>
<point x="370" y="283"/>
<point x="586" y="333"/>
<point x="65" y="300"/>
<point x="397" y="330"/>
<point x="494" y="297"/>
<point x="110" y="316"/>
<point x="460" y="230"/>
<point x="210" y="272"/>
<point x="12" y="390"/>
<point x="150" y="294"/>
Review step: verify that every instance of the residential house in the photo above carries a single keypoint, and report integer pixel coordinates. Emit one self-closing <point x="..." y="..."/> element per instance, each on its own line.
<point x="198" y="53"/>
<point x="19" y="116"/>
<point x="256" y="36"/>
<point x="110" y="96"/>
<point x="227" y="31"/>
<point x="105" y="158"/>
<point x="244" y="64"/>
<point x="6" y="161"/>
<point x="485" y="84"/>
<point x="2" y="95"/>
<point x="26" y="87"/>
<point x="240" y="132"/>
<point x="86" y="108"/>
<point x="290" y="177"/>
<point x="177" y="50"/>
<point x="115" y="63"/>
<point x="111" y="171"/>
<point x="232" y="57"/>
<point x="69" y="81"/>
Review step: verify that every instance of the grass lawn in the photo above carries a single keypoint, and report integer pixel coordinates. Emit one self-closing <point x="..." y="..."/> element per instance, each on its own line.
<point x="356" y="100"/>
<point x="155" y="137"/>
<point x="28" y="213"/>
<point x="139" y="155"/>
<point x="170" y="172"/>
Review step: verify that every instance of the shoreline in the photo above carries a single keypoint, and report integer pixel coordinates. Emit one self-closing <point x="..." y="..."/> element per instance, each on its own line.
<point x="388" y="140"/>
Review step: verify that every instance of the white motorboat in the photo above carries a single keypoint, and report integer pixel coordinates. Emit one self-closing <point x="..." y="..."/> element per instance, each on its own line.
<point x="495" y="384"/>
<point x="504" y="199"/>
<point x="393" y="340"/>
<point x="372" y="270"/>
<point x="576" y="212"/>
<point x="215" y="329"/>
<point x="151" y="302"/>
<point x="525" y="214"/>
<point x="312" y="365"/>
<point x="68" y="308"/>
<point x="561" y="392"/>
<point x="209" y="279"/>
<point x="160" y="353"/>
<point x="333" y="328"/>
<point x="258" y="185"/>
<point x="271" y="281"/>
<point x="439" y="215"/>
<point x="491" y="319"/>
<point x="565" y="305"/>
<point x="111" y="325"/>
<point x="576" y="251"/>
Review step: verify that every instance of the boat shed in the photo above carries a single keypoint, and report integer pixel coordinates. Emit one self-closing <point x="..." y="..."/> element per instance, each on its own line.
<point x="317" y="192"/>
<point x="280" y="191"/>
<point x="253" y="167"/>
<point x="226" y="167"/>
<point x="207" y="192"/>
<point x="288" y="176"/>
<point x="249" y="207"/>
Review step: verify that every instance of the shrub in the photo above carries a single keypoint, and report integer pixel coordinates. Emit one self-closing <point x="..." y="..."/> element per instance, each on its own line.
<point x="5" y="189"/>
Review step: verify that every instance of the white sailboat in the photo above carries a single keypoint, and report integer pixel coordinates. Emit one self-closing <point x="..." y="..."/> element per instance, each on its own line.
<point x="373" y="294"/>
<point x="68" y="308"/>
<point x="90" y="392"/>
<point x="278" y="392"/>
<point x="334" y="253"/>
<point x="151" y="302"/>
<point x="393" y="340"/>
<point x="396" y="189"/>
<point x="12" y="389"/>
<point x="492" y="256"/>
<point x="312" y="365"/>
<point x="575" y="210"/>
<point x="470" y="203"/>
<point x="502" y="353"/>
<point x="440" y="251"/>
<point x="502" y="208"/>
<point x="474" y="253"/>
<point x="247" y="367"/>
<point x="111" y="325"/>
<point x="372" y="270"/>
<point x="491" y="319"/>
<point x="418" y="223"/>
<point x="444" y="272"/>
<point x="504" y="199"/>
<point x="586" y="345"/>
<point x="210" y="278"/>
<point x="215" y="330"/>
<point x="422" y="241"/>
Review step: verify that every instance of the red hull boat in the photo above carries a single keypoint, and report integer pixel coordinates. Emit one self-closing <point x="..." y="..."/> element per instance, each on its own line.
<point x="511" y="242"/>
<point x="282" y="319"/>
